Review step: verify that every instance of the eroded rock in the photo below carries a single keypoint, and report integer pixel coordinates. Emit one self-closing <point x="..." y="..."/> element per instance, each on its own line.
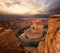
<point x="51" y="44"/>
<point x="8" y="42"/>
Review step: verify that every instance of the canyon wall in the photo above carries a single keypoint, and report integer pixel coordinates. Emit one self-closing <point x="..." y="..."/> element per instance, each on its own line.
<point x="51" y="43"/>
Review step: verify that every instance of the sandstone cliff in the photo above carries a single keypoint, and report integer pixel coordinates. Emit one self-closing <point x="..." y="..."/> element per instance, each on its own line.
<point x="51" y="43"/>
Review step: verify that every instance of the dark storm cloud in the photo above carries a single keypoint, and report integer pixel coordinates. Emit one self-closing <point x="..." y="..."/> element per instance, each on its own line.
<point x="54" y="6"/>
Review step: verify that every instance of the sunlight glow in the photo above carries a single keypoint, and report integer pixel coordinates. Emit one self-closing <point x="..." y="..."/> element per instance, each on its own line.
<point x="22" y="7"/>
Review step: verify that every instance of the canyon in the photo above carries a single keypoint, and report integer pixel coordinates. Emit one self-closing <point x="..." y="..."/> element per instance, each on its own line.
<point x="50" y="42"/>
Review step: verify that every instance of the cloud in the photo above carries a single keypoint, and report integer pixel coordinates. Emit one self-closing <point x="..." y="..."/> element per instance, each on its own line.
<point x="23" y="7"/>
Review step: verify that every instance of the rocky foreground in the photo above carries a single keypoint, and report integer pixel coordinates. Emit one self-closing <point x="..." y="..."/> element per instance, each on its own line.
<point x="9" y="43"/>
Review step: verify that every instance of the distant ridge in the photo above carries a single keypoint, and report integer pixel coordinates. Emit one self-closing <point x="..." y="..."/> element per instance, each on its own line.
<point x="23" y="16"/>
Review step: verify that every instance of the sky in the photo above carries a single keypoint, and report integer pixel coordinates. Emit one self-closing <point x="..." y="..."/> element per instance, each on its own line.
<point x="29" y="7"/>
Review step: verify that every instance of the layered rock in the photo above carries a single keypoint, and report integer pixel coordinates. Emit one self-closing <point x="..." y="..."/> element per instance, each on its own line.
<point x="8" y="42"/>
<point x="36" y="30"/>
<point x="51" y="44"/>
<point x="14" y="24"/>
<point x="32" y="34"/>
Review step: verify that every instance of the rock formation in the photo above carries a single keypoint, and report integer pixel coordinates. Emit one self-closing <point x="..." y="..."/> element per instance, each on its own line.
<point x="9" y="43"/>
<point x="14" y="24"/>
<point x="34" y="34"/>
<point x="36" y="30"/>
<point x="51" y="43"/>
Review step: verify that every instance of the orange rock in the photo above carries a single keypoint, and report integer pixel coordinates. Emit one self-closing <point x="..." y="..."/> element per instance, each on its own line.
<point x="52" y="40"/>
<point x="1" y="30"/>
<point x="8" y="42"/>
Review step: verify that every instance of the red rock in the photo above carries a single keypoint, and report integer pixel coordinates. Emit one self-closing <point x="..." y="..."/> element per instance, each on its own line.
<point x="8" y="42"/>
<point x="36" y="29"/>
<point x="52" y="40"/>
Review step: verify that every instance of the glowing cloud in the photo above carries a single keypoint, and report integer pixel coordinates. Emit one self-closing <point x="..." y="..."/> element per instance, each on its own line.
<point x="23" y="7"/>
